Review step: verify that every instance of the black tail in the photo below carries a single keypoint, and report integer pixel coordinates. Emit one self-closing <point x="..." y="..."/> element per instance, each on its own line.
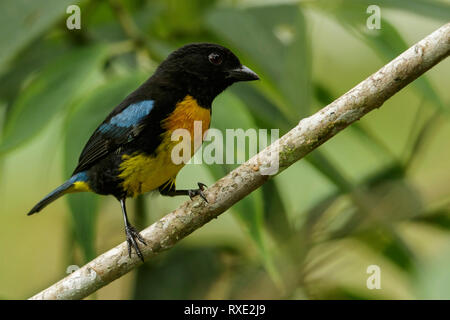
<point x="52" y="196"/>
<point x="66" y="187"/>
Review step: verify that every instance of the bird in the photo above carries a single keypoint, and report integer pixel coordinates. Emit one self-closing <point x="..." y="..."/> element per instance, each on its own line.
<point x="129" y="153"/>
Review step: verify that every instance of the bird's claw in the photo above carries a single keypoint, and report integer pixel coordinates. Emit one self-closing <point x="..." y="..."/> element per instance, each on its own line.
<point x="198" y="192"/>
<point x="132" y="235"/>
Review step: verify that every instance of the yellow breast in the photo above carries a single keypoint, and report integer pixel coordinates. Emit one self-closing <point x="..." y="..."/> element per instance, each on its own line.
<point x="142" y="173"/>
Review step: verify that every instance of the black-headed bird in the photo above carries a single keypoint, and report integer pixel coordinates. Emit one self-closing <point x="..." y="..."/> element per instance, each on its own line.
<point x="130" y="152"/>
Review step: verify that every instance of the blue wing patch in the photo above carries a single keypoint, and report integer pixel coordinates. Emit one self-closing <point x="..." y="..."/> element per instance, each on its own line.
<point x="121" y="128"/>
<point x="130" y="116"/>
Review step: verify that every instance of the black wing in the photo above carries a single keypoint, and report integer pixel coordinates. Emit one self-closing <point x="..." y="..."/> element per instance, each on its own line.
<point x="117" y="130"/>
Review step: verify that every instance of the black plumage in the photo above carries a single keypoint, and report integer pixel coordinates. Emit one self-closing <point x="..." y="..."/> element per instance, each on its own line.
<point x="201" y="71"/>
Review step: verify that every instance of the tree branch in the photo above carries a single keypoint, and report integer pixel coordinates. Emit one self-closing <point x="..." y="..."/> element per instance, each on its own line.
<point x="310" y="133"/>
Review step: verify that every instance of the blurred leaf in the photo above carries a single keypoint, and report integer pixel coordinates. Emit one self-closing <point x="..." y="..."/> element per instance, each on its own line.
<point x="344" y="293"/>
<point x="243" y="31"/>
<point x="181" y="273"/>
<point x="276" y="45"/>
<point x="384" y="201"/>
<point x="386" y="242"/>
<point x="264" y="112"/>
<point x="329" y="170"/>
<point x="181" y="19"/>
<point x="439" y="218"/>
<point x="23" y="20"/>
<point x="250" y="281"/>
<point x="273" y="16"/>
<point x="392" y="172"/>
<point x="322" y="94"/>
<point x="83" y="207"/>
<point x="424" y="134"/>
<point x="295" y="82"/>
<point x="317" y="212"/>
<point x="379" y="201"/>
<point x="432" y="8"/>
<point x="433" y="278"/>
<point x="79" y="126"/>
<point x="387" y="41"/>
<point x="51" y="91"/>
<point x="250" y="212"/>
<point x="27" y="64"/>
<point x="141" y="211"/>
<point x="275" y="214"/>
<point x="287" y="23"/>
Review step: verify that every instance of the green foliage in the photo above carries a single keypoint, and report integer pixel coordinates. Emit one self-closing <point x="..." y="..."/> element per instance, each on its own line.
<point x="50" y="92"/>
<point x="433" y="278"/>
<point x="24" y="20"/>
<point x="298" y="225"/>
<point x="190" y="279"/>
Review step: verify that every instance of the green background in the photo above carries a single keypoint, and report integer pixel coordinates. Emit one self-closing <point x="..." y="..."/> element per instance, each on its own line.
<point x="376" y="194"/>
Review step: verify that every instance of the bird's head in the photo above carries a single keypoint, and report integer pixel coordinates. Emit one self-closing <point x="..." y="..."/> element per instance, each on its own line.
<point x="205" y="68"/>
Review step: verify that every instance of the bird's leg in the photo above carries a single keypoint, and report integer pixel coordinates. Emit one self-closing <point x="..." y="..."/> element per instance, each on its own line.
<point x="171" y="191"/>
<point x="131" y="233"/>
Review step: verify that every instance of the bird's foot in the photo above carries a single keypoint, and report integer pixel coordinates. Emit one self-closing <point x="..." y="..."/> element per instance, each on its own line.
<point x="132" y="235"/>
<point x="198" y="192"/>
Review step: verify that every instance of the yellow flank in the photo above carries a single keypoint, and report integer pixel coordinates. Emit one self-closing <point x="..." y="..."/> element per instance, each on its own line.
<point x="80" y="186"/>
<point x="142" y="173"/>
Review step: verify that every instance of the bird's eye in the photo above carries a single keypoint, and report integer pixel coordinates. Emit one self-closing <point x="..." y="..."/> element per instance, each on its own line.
<point x="215" y="58"/>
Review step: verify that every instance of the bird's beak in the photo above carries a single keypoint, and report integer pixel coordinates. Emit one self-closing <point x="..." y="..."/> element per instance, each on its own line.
<point x="242" y="73"/>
